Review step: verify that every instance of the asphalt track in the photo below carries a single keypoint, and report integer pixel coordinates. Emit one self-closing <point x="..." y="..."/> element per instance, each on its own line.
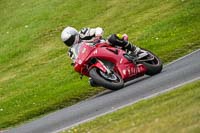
<point x="177" y="73"/>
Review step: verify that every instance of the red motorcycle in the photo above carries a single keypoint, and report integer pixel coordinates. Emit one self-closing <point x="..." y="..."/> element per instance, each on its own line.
<point x="111" y="67"/>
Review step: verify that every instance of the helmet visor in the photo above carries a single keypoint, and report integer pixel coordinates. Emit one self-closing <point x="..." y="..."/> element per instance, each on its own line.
<point x="70" y="41"/>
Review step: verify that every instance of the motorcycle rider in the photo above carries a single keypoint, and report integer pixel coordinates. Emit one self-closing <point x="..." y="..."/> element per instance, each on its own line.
<point x="70" y="36"/>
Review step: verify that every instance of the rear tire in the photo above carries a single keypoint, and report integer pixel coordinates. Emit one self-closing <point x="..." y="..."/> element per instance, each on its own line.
<point x="153" y="67"/>
<point x="114" y="82"/>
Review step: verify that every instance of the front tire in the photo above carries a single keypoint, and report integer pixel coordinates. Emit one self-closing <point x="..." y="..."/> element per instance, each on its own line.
<point x="110" y="81"/>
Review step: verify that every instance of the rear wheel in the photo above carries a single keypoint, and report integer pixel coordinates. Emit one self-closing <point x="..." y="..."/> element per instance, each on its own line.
<point x="110" y="81"/>
<point x="152" y="63"/>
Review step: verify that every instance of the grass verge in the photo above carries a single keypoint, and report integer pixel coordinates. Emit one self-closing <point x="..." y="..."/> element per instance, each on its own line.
<point x="35" y="73"/>
<point x="175" y="111"/>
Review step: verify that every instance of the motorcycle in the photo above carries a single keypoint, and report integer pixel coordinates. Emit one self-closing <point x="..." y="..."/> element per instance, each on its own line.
<point x="111" y="67"/>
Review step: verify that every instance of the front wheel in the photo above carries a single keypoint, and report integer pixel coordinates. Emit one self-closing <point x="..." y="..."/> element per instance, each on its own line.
<point x="110" y="81"/>
<point x="152" y="63"/>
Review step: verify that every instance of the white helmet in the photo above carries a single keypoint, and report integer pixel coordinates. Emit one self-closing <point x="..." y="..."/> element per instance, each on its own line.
<point x="70" y="36"/>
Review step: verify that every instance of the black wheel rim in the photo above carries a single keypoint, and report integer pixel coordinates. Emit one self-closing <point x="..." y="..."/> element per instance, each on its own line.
<point x="110" y="77"/>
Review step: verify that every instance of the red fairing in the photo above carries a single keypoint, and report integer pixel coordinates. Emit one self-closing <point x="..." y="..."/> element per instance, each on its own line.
<point x="102" y="51"/>
<point x="81" y="62"/>
<point x="129" y="70"/>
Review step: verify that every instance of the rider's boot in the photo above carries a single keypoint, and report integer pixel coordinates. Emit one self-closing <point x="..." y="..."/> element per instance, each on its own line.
<point x="133" y="51"/>
<point x="136" y="50"/>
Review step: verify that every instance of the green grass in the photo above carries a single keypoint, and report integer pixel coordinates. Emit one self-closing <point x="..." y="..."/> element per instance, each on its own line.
<point x="35" y="72"/>
<point x="174" y="112"/>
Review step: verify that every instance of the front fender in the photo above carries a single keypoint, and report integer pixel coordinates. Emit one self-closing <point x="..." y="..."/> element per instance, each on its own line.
<point x="99" y="65"/>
